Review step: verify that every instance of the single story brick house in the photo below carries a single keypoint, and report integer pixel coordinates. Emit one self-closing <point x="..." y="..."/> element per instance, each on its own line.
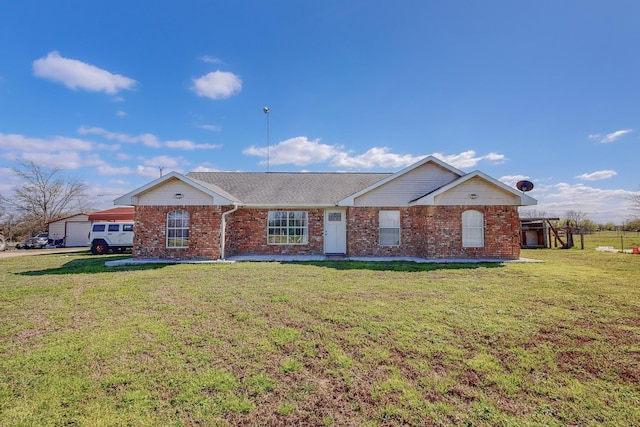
<point x="428" y="210"/>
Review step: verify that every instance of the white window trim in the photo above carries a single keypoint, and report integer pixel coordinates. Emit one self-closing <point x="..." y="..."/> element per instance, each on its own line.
<point x="470" y="238"/>
<point x="386" y="223"/>
<point x="288" y="228"/>
<point x="184" y="214"/>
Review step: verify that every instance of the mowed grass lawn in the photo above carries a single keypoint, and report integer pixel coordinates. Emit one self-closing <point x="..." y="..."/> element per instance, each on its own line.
<point x="333" y="343"/>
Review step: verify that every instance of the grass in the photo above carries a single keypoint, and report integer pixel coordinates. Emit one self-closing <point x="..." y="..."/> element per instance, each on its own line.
<point x="327" y="343"/>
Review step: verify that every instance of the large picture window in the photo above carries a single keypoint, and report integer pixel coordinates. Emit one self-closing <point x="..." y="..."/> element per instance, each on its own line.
<point x="472" y="229"/>
<point x="178" y="229"/>
<point x="389" y="228"/>
<point x="287" y="228"/>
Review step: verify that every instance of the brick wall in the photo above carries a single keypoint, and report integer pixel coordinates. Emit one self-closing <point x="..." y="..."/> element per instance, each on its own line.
<point x="426" y="231"/>
<point x="247" y="234"/>
<point x="151" y="232"/>
<point x="435" y="232"/>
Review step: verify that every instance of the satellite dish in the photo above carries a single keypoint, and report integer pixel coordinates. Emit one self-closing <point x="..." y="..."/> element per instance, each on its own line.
<point x="266" y="110"/>
<point x="524" y="186"/>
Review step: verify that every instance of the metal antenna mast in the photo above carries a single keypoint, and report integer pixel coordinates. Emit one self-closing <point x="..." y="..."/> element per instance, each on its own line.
<point x="265" y="110"/>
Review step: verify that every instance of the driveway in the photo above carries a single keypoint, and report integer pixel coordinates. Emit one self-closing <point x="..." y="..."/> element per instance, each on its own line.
<point x="11" y="253"/>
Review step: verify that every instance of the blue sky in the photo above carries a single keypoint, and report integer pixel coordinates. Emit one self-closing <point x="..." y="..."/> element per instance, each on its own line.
<point x="110" y="92"/>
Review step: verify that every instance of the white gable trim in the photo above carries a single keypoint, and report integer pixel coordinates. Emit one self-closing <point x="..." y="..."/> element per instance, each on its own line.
<point x="350" y="201"/>
<point x="429" y="199"/>
<point x="211" y="190"/>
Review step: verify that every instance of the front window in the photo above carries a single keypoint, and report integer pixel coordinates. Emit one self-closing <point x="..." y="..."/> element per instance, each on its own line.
<point x="287" y="228"/>
<point x="472" y="229"/>
<point x="178" y="229"/>
<point x="389" y="228"/>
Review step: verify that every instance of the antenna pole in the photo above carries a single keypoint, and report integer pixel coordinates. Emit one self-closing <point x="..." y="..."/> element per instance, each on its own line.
<point x="266" y="111"/>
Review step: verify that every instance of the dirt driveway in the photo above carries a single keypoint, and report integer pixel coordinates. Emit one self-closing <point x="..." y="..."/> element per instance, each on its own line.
<point x="11" y="253"/>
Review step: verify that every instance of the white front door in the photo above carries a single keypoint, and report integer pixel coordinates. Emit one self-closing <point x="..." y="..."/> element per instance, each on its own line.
<point x="335" y="231"/>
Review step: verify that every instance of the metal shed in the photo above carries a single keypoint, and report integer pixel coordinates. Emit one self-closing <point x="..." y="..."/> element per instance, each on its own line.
<point x="70" y="231"/>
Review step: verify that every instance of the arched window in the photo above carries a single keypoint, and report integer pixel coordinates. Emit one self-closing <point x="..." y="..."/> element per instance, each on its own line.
<point x="178" y="229"/>
<point x="472" y="229"/>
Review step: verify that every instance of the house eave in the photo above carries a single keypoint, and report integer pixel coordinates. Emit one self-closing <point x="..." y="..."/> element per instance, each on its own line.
<point x="131" y="198"/>
<point x="287" y="205"/>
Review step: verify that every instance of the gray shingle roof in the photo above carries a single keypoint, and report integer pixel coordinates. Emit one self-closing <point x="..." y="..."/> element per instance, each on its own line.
<point x="288" y="188"/>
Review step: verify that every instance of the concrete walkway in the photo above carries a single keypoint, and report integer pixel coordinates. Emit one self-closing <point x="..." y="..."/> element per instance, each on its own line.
<point x="302" y="258"/>
<point x="12" y="253"/>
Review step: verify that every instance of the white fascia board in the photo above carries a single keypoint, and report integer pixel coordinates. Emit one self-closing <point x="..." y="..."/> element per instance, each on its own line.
<point x="286" y="206"/>
<point x="349" y="201"/>
<point x="127" y="199"/>
<point x="429" y="199"/>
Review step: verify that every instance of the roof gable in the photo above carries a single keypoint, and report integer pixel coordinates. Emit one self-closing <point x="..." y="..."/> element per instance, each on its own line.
<point x="219" y="196"/>
<point x="473" y="194"/>
<point x="435" y="173"/>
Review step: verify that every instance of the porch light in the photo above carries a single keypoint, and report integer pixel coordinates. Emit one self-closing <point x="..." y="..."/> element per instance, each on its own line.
<point x="473" y="196"/>
<point x="178" y="195"/>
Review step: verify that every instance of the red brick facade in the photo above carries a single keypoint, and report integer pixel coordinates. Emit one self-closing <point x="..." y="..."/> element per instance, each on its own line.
<point x="426" y="232"/>
<point x="435" y="232"/>
<point x="150" y="238"/>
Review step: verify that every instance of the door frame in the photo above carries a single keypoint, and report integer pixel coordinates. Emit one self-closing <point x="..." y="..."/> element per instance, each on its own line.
<point x="342" y="230"/>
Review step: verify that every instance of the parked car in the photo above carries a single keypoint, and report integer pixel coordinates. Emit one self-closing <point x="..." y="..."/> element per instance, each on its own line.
<point x="37" y="242"/>
<point x="115" y="236"/>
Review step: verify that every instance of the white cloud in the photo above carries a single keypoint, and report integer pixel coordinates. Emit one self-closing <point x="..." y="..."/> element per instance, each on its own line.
<point x="210" y="59"/>
<point x="376" y="157"/>
<point x="148" y="171"/>
<point x="146" y="139"/>
<point x="76" y="74"/>
<point x="166" y="162"/>
<point x="212" y="128"/>
<point x="203" y="168"/>
<point x="600" y="205"/>
<point x="298" y="151"/>
<point x="512" y="180"/>
<point x="113" y="170"/>
<point x="9" y="180"/>
<point x="217" y="85"/>
<point x="59" y="159"/>
<point x="597" y="175"/>
<point x="185" y="144"/>
<point x="469" y="159"/>
<point x="25" y="144"/>
<point x="121" y="113"/>
<point x="610" y="137"/>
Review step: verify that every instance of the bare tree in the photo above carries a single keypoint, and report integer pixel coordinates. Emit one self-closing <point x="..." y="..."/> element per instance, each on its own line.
<point x="635" y="202"/>
<point x="44" y="195"/>
<point x="532" y="213"/>
<point x="575" y="218"/>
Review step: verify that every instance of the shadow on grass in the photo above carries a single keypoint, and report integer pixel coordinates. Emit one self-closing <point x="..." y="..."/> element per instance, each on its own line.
<point x="93" y="264"/>
<point x="406" y="266"/>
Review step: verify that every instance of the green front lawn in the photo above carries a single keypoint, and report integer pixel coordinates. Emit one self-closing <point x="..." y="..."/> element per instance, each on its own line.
<point x="326" y="343"/>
